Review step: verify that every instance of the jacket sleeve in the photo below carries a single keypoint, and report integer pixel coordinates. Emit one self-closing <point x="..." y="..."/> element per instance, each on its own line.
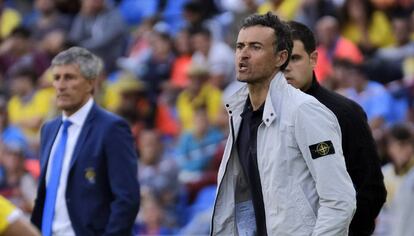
<point x="318" y="136"/>
<point x="403" y="207"/>
<point x="122" y="170"/>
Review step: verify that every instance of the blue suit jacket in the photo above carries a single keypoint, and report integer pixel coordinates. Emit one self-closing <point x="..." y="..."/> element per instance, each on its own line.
<point x="102" y="194"/>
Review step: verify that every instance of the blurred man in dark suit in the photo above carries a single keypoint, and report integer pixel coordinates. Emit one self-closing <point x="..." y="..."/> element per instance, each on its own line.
<point x="88" y="183"/>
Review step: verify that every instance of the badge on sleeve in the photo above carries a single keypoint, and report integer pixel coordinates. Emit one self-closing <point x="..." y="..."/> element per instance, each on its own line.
<point x="321" y="149"/>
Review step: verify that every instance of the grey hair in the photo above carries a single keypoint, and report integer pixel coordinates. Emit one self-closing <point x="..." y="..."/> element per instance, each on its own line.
<point x="90" y="65"/>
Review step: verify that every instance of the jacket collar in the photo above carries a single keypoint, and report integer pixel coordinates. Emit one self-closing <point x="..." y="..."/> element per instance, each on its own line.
<point x="79" y="117"/>
<point x="55" y="125"/>
<point x="84" y="133"/>
<point x="314" y="86"/>
<point x="54" y="128"/>
<point x="235" y="103"/>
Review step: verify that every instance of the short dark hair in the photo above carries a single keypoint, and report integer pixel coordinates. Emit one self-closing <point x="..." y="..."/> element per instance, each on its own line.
<point x="20" y="32"/>
<point x="302" y="33"/>
<point x="193" y="6"/>
<point x="282" y="32"/>
<point x="202" y="30"/>
<point x="25" y="72"/>
<point x="361" y="68"/>
<point x="401" y="132"/>
<point x="343" y="63"/>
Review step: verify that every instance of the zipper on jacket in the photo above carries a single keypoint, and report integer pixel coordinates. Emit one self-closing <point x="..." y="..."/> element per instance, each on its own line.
<point x="225" y="170"/>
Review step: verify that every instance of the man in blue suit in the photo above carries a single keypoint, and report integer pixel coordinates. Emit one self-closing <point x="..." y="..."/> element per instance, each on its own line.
<point x="88" y="183"/>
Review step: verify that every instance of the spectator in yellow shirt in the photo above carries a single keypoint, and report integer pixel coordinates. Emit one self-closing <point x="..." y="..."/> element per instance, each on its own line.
<point x="28" y="107"/>
<point x="366" y="26"/>
<point x="199" y="93"/>
<point x="9" y="19"/>
<point x="285" y="9"/>
<point x="12" y="222"/>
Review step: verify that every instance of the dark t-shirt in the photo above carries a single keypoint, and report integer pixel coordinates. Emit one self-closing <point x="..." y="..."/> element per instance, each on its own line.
<point x="247" y="149"/>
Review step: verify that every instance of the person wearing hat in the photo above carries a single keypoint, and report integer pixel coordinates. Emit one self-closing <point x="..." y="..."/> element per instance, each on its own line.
<point x="199" y="92"/>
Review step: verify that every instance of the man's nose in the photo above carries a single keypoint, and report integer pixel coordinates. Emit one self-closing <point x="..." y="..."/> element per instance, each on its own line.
<point x="244" y="53"/>
<point x="287" y="69"/>
<point x="59" y="85"/>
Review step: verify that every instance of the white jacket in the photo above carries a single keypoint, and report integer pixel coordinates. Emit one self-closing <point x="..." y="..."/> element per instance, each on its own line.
<point x="301" y="195"/>
<point x="403" y="207"/>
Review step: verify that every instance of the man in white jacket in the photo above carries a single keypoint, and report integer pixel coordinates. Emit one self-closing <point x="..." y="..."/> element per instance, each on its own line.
<point x="283" y="171"/>
<point x="403" y="208"/>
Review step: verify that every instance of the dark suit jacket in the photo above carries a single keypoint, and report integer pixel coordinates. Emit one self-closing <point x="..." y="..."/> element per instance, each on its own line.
<point x="361" y="158"/>
<point x="102" y="192"/>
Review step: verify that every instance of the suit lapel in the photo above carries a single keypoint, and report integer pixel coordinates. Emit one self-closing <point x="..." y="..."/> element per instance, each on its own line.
<point x="87" y="126"/>
<point x="54" y="129"/>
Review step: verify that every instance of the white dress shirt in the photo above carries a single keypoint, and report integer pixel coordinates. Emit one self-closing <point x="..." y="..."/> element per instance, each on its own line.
<point x="62" y="225"/>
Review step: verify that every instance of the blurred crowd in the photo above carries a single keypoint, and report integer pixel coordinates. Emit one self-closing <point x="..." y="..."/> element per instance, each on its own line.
<point x="169" y="64"/>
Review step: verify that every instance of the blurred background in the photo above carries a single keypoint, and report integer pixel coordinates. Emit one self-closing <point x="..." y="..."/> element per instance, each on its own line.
<point x="168" y="66"/>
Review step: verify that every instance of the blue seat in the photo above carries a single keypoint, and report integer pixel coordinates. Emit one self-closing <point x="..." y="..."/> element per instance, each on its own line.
<point x="173" y="15"/>
<point x="134" y="11"/>
<point x="204" y="200"/>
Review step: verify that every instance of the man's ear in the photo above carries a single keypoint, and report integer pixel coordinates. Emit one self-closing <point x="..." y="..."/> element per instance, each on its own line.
<point x="92" y="83"/>
<point x="282" y="57"/>
<point x="313" y="58"/>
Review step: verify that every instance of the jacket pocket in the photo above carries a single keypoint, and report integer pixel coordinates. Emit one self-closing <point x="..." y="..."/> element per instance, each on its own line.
<point x="303" y="206"/>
